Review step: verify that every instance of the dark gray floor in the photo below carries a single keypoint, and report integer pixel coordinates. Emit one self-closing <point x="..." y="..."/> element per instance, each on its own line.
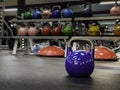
<point x="25" y="72"/>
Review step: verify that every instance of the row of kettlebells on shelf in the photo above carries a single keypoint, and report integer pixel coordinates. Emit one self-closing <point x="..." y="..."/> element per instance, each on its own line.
<point x="95" y="29"/>
<point x="56" y="12"/>
<point x="46" y="30"/>
<point x="58" y="29"/>
<point x="46" y="12"/>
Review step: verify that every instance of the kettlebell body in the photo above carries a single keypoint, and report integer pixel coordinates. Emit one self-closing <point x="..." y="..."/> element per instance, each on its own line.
<point x="27" y="15"/>
<point x="13" y="26"/>
<point x="79" y="63"/>
<point x="87" y="11"/>
<point x="32" y="31"/>
<point x="46" y="12"/>
<point x="36" y="14"/>
<point x="94" y="29"/>
<point x="36" y="48"/>
<point x="46" y="29"/>
<point x="67" y="29"/>
<point x="56" y="12"/>
<point x="23" y="30"/>
<point x="67" y="12"/>
<point x="117" y="29"/>
<point x="56" y="29"/>
<point x="115" y="10"/>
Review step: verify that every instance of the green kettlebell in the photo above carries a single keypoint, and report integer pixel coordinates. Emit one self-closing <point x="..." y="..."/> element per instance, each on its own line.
<point x="27" y="14"/>
<point x="68" y="29"/>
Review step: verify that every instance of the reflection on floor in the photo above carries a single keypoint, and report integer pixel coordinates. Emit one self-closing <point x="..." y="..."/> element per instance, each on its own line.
<point x="27" y="72"/>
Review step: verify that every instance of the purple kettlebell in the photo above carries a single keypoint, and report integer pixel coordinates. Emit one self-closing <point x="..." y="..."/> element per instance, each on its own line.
<point x="56" y="11"/>
<point x="79" y="63"/>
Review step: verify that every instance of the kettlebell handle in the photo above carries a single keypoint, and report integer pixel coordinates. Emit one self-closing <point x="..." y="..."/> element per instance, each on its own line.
<point x="77" y="38"/>
<point x="46" y="7"/>
<point x="117" y="21"/>
<point x="116" y="2"/>
<point x="88" y="3"/>
<point x="58" y="6"/>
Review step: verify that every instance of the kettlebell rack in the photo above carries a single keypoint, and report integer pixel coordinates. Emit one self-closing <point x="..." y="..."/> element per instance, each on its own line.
<point x="29" y="42"/>
<point x="29" y="38"/>
<point x="2" y="19"/>
<point x="69" y="19"/>
<point x="98" y="18"/>
<point x="3" y="23"/>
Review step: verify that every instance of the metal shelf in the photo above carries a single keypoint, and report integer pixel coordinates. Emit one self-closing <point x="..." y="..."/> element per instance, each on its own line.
<point x="29" y="41"/>
<point x="67" y="37"/>
<point x="100" y="37"/>
<point x="68" y="19"/>
<point x="41" y="20"/>
<point x="41" y="37"/>
<point x="97" y="18"/>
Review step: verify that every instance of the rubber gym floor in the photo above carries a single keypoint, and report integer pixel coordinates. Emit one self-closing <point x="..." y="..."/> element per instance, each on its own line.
<point x="28" y="72"/>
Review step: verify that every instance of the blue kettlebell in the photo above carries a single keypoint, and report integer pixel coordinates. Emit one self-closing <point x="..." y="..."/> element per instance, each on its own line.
<point x="56" y="12"/>
<point x="67" y="12"/>
<point x="79" y="63"/>
<point x="36" y="14"/>
<point x="36" y="48"/>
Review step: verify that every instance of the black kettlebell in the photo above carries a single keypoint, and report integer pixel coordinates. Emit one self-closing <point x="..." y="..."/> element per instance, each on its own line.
<point x="87" y="11"/>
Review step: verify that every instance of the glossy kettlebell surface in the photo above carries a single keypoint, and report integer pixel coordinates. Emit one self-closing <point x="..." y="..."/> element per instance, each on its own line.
<point x="79" y="63"/>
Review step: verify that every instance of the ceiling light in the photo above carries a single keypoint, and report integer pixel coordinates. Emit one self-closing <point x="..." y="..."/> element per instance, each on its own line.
<point x="112" y="2"/>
